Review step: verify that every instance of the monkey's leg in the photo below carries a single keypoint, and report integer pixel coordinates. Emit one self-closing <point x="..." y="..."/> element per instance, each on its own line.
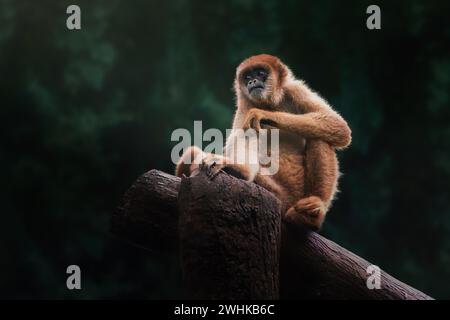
<point x="190" y="160"/>
<point x="271" y="185"/>
<point x="241" y="155"/>
<point x="321" y="175"/>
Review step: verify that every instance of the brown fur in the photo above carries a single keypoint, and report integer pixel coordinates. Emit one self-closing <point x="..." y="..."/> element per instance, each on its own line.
<point x="310" y="132"/>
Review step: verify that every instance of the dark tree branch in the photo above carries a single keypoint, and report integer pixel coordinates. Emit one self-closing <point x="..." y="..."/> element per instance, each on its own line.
<point x="227" y="233"/>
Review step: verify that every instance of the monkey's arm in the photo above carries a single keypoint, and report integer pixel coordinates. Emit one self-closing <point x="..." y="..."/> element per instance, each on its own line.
<point x="313" y="125"/>
<point x="317" y="119"/>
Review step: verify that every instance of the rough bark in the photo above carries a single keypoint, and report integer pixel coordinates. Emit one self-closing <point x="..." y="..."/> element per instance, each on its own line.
<point x="313" y="267"/>
<point x="229" y="245"/>
<point x="147" y="215"/>
<point x="227" y="233"/>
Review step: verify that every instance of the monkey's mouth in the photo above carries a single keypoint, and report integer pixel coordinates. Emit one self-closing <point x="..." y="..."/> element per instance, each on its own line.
<point x="257" y="87"/>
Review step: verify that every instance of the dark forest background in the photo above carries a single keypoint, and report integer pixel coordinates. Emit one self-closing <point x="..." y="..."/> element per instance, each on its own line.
<point x="84" y="113"/>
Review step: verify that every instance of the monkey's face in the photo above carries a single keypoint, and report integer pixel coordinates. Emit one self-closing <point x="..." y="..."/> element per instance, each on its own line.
<point x="260" y="81"/>
<point x="255" y="83"/>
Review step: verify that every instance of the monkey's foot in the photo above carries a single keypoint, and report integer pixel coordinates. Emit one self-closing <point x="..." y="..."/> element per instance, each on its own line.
<point x="215" y="165"/>
<point x="238" y="171"/>
<point x="310" y="212"/>
<point x="235" y="170"/>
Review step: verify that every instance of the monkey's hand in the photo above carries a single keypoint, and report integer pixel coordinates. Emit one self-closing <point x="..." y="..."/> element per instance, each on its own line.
<point x="254" y="118"/>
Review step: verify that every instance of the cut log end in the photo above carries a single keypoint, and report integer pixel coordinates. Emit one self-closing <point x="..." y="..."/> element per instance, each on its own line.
<point x="229" y="245"/>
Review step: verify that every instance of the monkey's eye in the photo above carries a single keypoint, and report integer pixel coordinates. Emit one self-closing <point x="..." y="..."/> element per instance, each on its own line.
<point x="262" y="73"/>
<point x="248" y="77"/>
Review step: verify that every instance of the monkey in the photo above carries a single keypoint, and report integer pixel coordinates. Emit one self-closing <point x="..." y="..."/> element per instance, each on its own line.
<point x="311" y="131"/>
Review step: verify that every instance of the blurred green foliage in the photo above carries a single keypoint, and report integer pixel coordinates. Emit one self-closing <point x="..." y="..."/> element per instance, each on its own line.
<point x="85" y="112"/>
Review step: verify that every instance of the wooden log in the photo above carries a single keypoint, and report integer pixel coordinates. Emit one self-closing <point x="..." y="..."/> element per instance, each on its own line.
<point x="229" y="245"/>
<point x="311" y="266"/>
<point x="147" y="215"/>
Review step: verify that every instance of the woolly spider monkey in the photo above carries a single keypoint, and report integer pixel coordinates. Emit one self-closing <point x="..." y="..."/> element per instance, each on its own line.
<point x="269" y="96"/>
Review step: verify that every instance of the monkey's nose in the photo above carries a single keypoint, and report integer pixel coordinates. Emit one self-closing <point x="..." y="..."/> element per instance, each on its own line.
<point x="251" y="82"/>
